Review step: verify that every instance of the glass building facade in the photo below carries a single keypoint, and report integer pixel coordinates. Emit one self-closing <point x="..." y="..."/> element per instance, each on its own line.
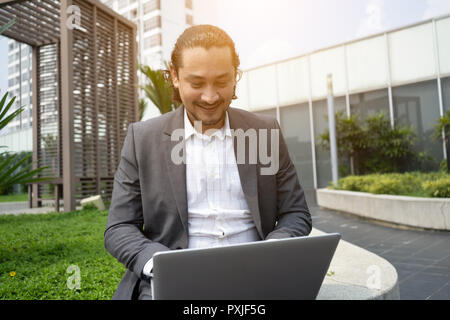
<point x="404" y="73"/>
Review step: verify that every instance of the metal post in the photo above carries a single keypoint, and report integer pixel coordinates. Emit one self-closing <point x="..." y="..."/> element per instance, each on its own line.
<point x="311" y="123"/>
<point x="438" y="71"/>
<point x="332" y="129"/>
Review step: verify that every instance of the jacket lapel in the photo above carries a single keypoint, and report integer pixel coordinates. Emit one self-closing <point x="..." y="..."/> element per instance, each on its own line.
<point x="176" y="172"/>
<point x="247" y="171"/>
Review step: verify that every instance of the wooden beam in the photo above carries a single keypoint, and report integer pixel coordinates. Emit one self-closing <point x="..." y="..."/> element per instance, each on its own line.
<point x="67" y="109"/>
<point x="35" y="101"/>
<point x="22" y="26"/>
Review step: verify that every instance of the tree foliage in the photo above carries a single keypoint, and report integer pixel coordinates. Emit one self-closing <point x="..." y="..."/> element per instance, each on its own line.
<point x="373" y="144"/>
<point x="15" y="168"/>
<point x="158" y="89"/>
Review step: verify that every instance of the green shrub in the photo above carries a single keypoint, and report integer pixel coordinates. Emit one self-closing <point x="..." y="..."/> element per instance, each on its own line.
<point x="438" y="188"/>
<point x="374" y="145"/>
<point x="386" y="185"/>
<point x="418" y="184"/>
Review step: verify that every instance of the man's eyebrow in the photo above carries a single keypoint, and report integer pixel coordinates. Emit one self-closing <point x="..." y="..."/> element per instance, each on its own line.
<point x="195" y="77"/>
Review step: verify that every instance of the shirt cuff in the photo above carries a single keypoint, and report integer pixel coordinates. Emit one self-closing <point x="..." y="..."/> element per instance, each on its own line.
<point x="148" y="268"/>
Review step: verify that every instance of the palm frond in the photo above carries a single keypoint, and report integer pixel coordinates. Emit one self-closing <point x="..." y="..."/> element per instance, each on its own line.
<point x="7" y="25"/>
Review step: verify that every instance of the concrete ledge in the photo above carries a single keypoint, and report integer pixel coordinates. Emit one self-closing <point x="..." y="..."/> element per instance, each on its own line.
<point x="94" y="200"/>
<point x="426" y="213"/>
<point x="358" y="274"/>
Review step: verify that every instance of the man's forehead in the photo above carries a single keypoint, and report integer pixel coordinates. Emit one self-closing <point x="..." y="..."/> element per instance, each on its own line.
<point x="193" y="76"/>
<point x="198" y="57"/>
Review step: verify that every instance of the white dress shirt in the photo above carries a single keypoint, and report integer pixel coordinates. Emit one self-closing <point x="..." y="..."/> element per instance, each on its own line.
<point x="218" y="213"/>
<point x="217" y="210"/>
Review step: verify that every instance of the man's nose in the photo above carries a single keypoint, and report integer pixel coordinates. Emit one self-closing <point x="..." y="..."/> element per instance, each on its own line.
<point x="210" y="96"/>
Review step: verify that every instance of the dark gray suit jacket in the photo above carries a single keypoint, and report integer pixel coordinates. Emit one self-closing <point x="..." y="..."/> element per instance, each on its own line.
<point x="148" y="211"/>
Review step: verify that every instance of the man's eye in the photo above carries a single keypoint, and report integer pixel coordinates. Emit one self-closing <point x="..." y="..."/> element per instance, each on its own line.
<point x="222" y="84"/>
<point x="196" y="85"/>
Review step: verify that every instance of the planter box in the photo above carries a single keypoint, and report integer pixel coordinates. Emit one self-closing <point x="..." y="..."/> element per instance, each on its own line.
<point x="427" y="213"/>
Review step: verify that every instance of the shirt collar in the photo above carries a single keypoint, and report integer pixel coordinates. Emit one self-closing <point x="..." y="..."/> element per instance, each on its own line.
<point x="221" y="133"/>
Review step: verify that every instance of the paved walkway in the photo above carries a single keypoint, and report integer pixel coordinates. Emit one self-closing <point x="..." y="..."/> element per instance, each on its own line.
<point x="22" y="207"/>
<point x="422" y="258"/>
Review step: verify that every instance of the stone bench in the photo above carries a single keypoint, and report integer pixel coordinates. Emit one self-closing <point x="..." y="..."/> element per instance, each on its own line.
<point x="358" y="274"/>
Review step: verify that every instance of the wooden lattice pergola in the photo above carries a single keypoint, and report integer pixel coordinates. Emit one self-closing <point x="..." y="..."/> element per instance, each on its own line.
<point x="84" y="91"/>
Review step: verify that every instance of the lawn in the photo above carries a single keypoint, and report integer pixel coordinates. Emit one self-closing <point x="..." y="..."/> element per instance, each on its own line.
<point x="14" y="197"/>
<point x="38" y="253"/>
<point x="20" y="197"/>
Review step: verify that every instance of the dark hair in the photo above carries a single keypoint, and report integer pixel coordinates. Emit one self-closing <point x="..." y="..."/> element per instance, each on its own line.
<point x="205" y="36"/>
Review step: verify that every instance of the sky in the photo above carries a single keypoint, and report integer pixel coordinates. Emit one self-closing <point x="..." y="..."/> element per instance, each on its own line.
<point x="266" y="31"/>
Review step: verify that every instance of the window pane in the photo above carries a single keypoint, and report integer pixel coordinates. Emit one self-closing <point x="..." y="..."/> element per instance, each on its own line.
<point x="412" y="47"/>
<point x="123" y="3"/>
<point x="189" y="19"/>
<point x="367" y="64"/>
<point x="323" y="157"/>
<point x="152" y="41"/>
<point x="326" y="62"/>
<point x="369" y="103"/>
<point x="152" y="23"/>
<point x="268" y="112"/>
<point x="262" y="87"/>
<point x="443" y="30"/>
<point x="151" y="5"/>
<point x="295" y="125"/>
<point x="418" y="104"/>
<point x="445" y="84"/>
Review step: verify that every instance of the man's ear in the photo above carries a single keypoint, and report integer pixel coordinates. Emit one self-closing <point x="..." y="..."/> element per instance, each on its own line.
<point x="174" y="76"/>
<point x="238" y="75"/>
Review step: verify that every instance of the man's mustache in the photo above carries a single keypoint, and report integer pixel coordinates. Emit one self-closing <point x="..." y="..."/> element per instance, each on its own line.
<point x="207" y="105"/>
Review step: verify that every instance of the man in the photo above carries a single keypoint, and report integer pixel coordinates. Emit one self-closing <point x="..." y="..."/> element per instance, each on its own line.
<point x="205" y="195"/>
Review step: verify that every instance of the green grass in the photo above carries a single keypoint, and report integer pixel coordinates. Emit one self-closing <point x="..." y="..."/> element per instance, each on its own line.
<point x="40" y="248"/>
<point x="14" y="197"/>
<point x="21" y="197"/>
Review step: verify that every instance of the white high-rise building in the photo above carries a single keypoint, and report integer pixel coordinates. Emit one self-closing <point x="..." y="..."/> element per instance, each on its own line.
<point x="159" y="23"/>
<point x="17" y="135"/>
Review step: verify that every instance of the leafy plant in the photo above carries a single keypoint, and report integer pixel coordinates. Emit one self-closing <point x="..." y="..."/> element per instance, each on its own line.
<point x="438" y="188"/>
<point x="442" y="123"/>
<point x="350" y="136"/>
<point x="418" y="184"/>
<point x="158" y="89"/>
<point x="14" y="168"/>
<point x="142" y="106"/>
<point x="373" y="144"/>
<point x="7" y="25"/>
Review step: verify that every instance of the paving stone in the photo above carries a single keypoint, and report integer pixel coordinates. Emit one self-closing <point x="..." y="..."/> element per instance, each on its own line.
<point x="412" y="252"/>
<point x="421" y="286"/>
<point x="441" y="294"/>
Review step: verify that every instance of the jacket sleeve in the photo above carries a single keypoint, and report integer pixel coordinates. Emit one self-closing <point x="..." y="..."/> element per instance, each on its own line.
<point x="293" y="217"/>
<point x="123" y="237"/>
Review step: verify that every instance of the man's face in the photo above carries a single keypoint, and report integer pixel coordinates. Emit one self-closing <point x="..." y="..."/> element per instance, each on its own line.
<point x="206" y="81"/>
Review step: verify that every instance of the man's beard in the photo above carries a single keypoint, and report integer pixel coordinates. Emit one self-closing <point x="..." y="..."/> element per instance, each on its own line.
<point x="211" y="122"/>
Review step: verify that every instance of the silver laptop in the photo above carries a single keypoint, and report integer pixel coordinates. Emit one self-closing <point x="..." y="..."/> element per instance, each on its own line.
<point x="288" y="269"/>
